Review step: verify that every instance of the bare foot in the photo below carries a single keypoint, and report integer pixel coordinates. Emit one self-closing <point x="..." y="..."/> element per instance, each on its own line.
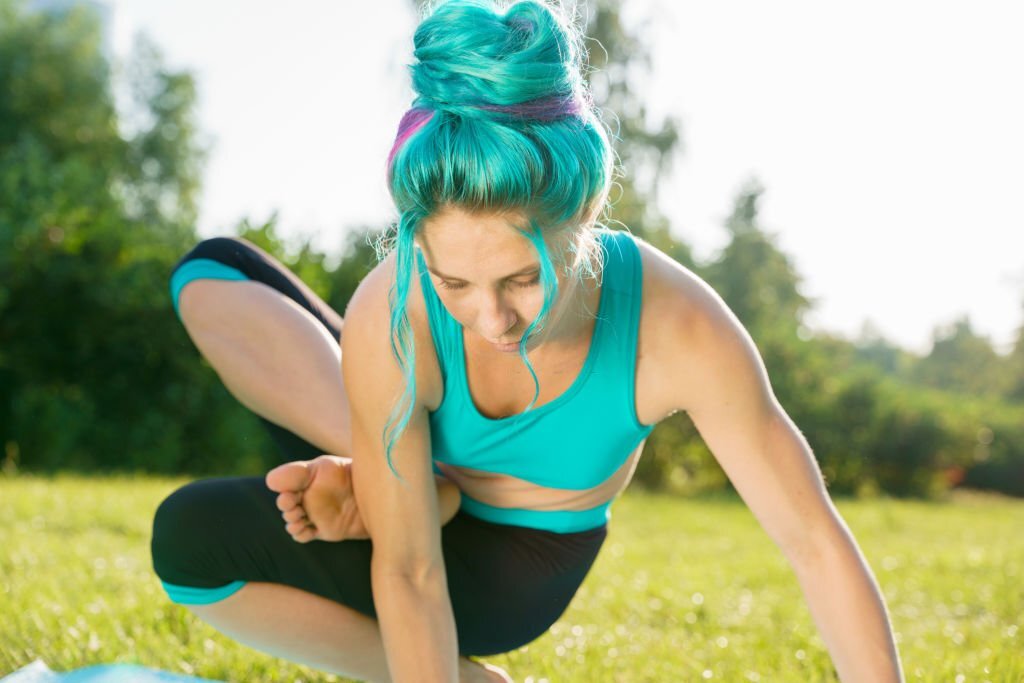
<point x="317" y="502"/>
<point x="316" y="499"/>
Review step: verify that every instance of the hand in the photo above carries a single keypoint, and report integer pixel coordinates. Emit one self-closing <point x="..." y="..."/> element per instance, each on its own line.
<point x="471" y="671"/>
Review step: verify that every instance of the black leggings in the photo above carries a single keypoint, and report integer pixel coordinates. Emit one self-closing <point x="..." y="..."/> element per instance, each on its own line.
<point x="507" y="584"/>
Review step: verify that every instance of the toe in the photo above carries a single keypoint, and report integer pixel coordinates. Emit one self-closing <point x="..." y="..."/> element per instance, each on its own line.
<point x="288" y="500"/>
<point x="306" y="535"/>
<point x="292" y="476"/>
<point x="297" y="527"/>
<point x="296" y="514"/>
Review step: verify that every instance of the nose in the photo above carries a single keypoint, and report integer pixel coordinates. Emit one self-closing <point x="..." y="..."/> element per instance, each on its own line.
<point x="496" y="318"/>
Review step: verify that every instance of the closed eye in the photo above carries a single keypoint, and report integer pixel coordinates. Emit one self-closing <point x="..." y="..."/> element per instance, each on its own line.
<point x="461" y="285"/>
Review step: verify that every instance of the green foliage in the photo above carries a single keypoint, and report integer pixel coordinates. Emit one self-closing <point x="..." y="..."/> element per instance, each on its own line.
<point x="299" y="257"/>
<point x="960" y="360"/>
<point x="995" y="452"/>
<point x="335" y="285"/>
<point x="877" y="418"/>
<point x="874" y="350"/>
<point x="1015" y="366"/>
<point x="359" y="258"/>
<point x="97" y="373"/>
<point x="164" y="158"/>
<point x="756" y="279"/>
<point x="676" y="459"/>
<point x="618" y="64"/>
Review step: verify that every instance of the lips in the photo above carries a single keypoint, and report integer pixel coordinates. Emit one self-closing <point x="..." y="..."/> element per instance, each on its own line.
<point x="506" y="347"/>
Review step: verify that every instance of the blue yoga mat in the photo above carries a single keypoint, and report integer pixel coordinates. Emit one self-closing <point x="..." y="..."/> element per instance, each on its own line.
<point x="38" y="672"/>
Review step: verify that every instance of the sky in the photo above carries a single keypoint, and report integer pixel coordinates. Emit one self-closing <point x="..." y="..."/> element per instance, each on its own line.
<point x="887" y="135"/>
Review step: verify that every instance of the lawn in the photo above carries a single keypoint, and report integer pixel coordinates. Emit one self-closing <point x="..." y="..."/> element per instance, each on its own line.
<point x="684" y="590"/>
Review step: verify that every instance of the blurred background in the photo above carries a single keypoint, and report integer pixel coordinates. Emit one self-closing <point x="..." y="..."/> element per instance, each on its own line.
<point x="846" y="178"/>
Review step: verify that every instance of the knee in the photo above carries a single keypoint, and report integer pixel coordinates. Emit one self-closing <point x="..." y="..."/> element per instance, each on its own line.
<point x="226" y="249"/>
<point x="183" y="545"/>
<point x="175" y="517"/>
<point x="218" y="258"/>
<point x="181" y="526"/>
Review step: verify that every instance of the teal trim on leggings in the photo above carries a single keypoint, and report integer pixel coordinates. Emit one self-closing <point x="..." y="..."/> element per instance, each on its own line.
<point x="190" y="595"/>
<point x="195" y="269"/>
<point x="559" y="521"/>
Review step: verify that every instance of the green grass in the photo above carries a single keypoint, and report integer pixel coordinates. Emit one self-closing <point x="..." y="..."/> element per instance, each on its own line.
<point x="683" y="590"/>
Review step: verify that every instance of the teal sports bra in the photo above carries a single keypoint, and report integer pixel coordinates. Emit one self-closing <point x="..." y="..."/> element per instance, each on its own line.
<point x="576" y="441"/>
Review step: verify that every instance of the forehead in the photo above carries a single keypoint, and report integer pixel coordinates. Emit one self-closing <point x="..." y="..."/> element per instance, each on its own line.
<point x="454" y="224"/>
<point x="462" y="244"/>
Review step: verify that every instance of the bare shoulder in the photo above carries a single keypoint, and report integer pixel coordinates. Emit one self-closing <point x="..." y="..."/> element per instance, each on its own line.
<point x="369" y="311"/>
<point x="400" y="512"/>
<point x="672" y="288"/>
<point x="684" y="323"/>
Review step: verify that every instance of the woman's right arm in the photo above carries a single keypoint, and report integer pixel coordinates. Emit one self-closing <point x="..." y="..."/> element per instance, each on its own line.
<point x="408" y="575"/>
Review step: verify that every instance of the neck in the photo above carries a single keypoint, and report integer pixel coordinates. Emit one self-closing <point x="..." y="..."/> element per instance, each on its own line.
<point x="571" y="318"/>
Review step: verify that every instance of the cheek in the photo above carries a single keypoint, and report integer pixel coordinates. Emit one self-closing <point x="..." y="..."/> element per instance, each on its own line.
<point x="526" y="303"/>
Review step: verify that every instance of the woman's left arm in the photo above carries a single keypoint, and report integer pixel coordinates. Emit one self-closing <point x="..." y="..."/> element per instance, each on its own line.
<point x="722" y="384"/>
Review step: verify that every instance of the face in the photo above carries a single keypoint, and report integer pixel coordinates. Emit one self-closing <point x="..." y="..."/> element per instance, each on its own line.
<point x="486" y="273"/>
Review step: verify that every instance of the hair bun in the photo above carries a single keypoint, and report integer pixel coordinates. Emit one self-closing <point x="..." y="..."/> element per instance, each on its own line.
<point x="472" y="57"/>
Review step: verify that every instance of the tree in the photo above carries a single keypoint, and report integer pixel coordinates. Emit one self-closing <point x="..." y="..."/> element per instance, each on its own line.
<point x="1015" y="366"/>
<point x="95" y="370"/>
<point x="873" y="348"/>
<point x="619" y="63"/>
<point x="962" y="361"/>
<point x="754" y="277"/>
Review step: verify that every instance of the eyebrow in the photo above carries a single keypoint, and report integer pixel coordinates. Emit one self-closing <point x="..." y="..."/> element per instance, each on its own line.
<point x="524" y="271"/>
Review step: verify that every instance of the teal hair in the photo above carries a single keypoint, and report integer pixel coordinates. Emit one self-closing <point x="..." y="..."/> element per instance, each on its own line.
<point x="502" y="123"/>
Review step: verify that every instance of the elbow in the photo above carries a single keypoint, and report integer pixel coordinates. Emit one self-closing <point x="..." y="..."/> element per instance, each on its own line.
<point x="819" y="545"/>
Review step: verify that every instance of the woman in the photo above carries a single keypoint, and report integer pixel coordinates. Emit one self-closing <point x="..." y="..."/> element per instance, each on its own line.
<point x="502" y="367"/>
